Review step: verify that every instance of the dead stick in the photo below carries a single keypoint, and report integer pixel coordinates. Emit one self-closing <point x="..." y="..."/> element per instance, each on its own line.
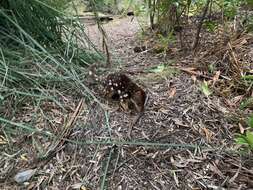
<point x="193" y="73"/>
<point x="200" y="25"/>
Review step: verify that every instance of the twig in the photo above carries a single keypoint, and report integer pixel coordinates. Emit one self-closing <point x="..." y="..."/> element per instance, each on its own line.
<point x="200" y="25"/>
<point x="237" y="66"/>
<point x="104" y="36"/>
<point x="192" y="72"/>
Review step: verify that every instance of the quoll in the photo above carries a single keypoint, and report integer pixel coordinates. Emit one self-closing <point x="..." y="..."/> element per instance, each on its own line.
<point x="119" y="87"/>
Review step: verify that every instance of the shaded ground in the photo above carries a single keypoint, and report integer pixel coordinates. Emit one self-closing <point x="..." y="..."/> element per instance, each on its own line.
<point x="179" y="143"/>
<point x="177" y="112"/>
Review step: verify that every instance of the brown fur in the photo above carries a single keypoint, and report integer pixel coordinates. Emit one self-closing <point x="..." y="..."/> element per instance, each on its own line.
<point x="119" y="87"/>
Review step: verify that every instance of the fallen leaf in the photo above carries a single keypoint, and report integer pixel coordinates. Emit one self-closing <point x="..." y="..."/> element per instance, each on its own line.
<point x="241" y="128"/>
<point x="236" y="100"/>
<point x="158" y="69"/>
<point x="172" y="92"/>
<point x="208" y="134"/>
<point x="216" y="77"/>
<point x="58" y="120"/>
<point x="24" y="157"/>
<point x="2" y="140"/>
<point x="205" y="89"/>
<point x="79" y="186"/>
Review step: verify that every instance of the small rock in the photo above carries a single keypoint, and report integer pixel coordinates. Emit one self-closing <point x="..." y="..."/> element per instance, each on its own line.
<point x="24" y="175"/>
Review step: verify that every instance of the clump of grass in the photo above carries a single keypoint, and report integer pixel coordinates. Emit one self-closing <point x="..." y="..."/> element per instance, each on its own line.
<point x="246" y="139"/>
<point x="43" y="55"/>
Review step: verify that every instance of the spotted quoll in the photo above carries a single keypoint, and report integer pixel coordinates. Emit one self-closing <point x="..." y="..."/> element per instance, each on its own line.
<point x="119" y="87"/>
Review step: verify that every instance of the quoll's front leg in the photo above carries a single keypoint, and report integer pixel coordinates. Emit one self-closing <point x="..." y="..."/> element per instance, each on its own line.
<point x="138" y="100"/>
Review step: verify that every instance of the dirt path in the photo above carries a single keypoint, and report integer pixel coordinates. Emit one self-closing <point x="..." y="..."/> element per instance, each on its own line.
<point x="177" y="114"/>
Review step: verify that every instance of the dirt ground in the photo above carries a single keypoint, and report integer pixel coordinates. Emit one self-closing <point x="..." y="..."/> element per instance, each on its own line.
<point x="177" y="112"/>
<point x="184" y="140"/>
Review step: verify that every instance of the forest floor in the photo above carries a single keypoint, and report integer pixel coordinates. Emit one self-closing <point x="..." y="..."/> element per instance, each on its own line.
<point x="184" y="140"/>
<point x="177" y="113"/>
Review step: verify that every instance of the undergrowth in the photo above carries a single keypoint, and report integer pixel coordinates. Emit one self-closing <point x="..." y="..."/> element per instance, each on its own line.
<point x="43" y="55"/>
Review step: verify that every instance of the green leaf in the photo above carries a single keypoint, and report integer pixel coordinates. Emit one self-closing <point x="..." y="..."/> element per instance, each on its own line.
<point x="1" y="97"/>
<point x="247" y="77"/>
<point x="205" y="89"/>
<point x="158" y="69"/>
<point x="241" y="140"/>
<point x="246" y="103"/>
<point x="249" y="136"/>
<point x="251" y="121"/>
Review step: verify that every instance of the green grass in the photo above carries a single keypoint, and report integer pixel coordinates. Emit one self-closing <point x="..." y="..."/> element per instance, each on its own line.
<point x="43" y="57"/>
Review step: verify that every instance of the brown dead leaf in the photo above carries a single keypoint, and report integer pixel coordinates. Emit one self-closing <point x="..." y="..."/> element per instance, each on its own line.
<point x="237" y="99"/>
<point x="241" y="128"/>
<point x="193" y="71"/>
<point x="208" y="134"/>
<point x="216" y="77"/>
<point x="3" y="140"/>
<point x="58" y="120"/>
<point x="234" y="101"/>
<point x="172" y="92"/>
